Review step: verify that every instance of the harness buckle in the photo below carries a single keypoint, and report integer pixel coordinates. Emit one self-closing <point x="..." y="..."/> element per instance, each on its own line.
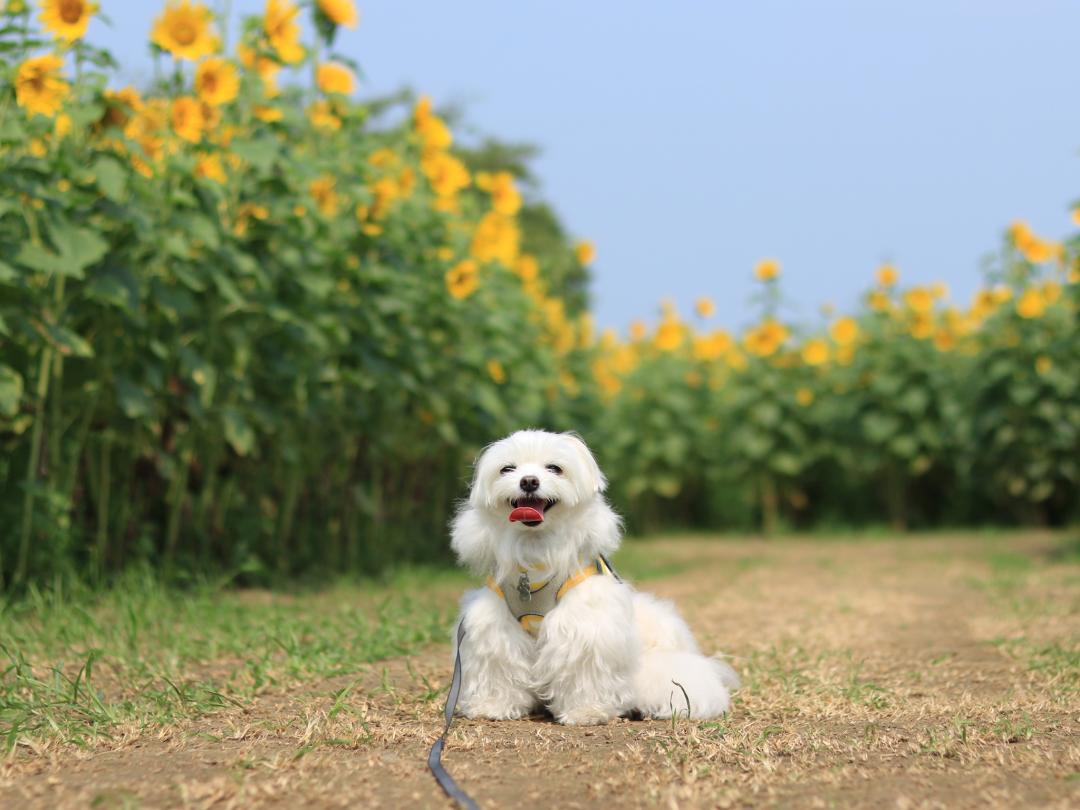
<point x="523" y="586"/>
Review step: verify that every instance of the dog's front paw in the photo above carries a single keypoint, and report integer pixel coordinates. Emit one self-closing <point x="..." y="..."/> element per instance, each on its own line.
<point x="587" y="716"/>
<point x="494" y="710"/>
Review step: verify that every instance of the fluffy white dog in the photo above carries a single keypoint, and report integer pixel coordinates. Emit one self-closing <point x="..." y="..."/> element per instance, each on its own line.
<point x="554" y="626"/>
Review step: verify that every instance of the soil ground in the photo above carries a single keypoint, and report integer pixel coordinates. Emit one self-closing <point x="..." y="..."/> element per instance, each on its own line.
<point x="923" y="671"/>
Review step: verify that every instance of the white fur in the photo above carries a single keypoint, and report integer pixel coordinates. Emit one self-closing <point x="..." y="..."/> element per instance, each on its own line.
<point x="605" y="649"/>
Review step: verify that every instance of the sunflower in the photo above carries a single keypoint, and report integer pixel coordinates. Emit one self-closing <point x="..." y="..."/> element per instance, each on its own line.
<point x="1031" y="304"/>
<point x="921" y="326"/>
<point x="804" y="396"/>
<point x="815" y="352"/>
<point x="505" y="198"/>
<point x="462" y="279"/>
<point x="340" y="12"/>
<point x="283" y="31"/>
<point x="333" y="77"/>
<point x="944" y="339"/>
<point x="879" y="301"/>
<point x="705" y="307"/>
<point x="496" y="238"/>
<point x="323" y="116"/>
<point x="713" y="347"/>
<point x="887" y="275"/>
<point x="766" y="269"/>
<point x="584" y="252"/>
<point x="216" y="81"/>
<point x="209" y="166"/>
<point x="496" y="371"/>
<point x="764" y="339"/>
<point x="446" y="174"/>
<point x="919" y="300"/>
<point x="844" y="331"/>
<point x="185" y="30"/>
<point x="67" y="19"/>
<point x="266" y="113"/>
<point x="188" y="120"/>
<point x="266" y="68"/>
<point x="326" y="198"/>
<point x="669" y="335"/>
<point x="38" y="86"/>
<point x="527" y="267"/>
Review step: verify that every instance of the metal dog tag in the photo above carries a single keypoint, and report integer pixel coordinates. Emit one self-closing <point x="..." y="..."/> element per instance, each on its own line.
<point x="524" y="587"/>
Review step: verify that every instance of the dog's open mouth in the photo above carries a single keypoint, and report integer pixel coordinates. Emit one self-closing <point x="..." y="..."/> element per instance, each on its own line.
<point x="529" y="510"/>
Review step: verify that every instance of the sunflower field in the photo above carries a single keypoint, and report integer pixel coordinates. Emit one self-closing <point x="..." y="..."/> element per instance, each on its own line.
<point x="261" y="327"/>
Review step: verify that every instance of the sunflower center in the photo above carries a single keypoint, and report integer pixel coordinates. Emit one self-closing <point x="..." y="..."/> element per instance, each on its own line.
<point x="184" y="32"/>
<point x="210" y="83"/>
<point x="71" y="11"/>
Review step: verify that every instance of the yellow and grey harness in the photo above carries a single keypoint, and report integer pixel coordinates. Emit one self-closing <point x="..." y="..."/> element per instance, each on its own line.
<point x="530" y="601"/>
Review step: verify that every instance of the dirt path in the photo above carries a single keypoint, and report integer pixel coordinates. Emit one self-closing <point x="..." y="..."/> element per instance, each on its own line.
<point x="922" y="672"/>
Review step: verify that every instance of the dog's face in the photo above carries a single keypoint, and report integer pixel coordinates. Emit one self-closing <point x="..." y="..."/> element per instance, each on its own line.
<point x="534" y="479"/>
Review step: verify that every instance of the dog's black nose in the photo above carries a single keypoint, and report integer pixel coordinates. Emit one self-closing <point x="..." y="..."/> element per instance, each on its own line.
<point x="530" y="483"/>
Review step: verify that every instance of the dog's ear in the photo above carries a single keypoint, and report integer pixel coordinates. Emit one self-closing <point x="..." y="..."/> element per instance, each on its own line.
<point x="472" y="541"/>
<point x="478" y="491"/>
<point x="594" y="478"/>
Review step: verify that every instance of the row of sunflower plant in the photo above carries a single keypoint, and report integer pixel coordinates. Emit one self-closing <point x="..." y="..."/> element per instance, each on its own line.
<point x="248" y="324"/>
<point x="241" y="323"/>
<point x="911" y="410"/>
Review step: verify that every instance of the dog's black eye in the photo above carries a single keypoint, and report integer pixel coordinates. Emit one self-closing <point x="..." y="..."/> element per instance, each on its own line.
<point x="555" y="468"/>
<point x="508" y="468"/>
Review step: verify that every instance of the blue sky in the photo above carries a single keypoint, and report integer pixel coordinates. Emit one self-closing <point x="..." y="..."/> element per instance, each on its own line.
<point x="689" y="139"/>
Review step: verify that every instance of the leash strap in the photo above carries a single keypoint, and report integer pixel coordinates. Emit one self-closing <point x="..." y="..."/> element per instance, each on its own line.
<point x="611" y="568"/>
<point x="434" y="760"/>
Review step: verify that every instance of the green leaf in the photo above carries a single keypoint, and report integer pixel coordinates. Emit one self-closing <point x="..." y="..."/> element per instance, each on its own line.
<point x="667" y="486"/>
<point x="133" y="400"/>
<point x="67" y="342"/>
<point x="259" y="153"/>
<point x="7" y="273"/>
<point x="11" y="390"/>
<point x="111" y="178"/>
<point x="115" y="286"/>
<point x="36" y="257"/>
<point x="904" y="446"/>
<point x="78" y="248"/>
<point x="914" y="401"/>
<point x="785" y="464"/>
<point x="880" y="427"/>
<point x="238" y="433"/>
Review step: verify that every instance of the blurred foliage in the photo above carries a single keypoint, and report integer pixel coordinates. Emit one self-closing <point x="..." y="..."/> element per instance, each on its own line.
<point x="266" y="329"/>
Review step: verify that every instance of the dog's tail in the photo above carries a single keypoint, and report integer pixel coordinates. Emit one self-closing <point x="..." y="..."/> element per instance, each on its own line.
<point x="683" y="683"/>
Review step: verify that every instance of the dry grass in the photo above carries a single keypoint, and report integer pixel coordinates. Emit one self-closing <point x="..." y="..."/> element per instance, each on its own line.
<point x="937" y="671"/>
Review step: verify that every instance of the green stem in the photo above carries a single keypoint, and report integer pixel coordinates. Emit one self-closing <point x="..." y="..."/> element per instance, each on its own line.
<point x="176" y="504"/>
<point x="32" y="467"/>
<point x="104" y="487"/>
<point x="56" y="401"/>
<point x="769" y="506"/>
<point x="224" y="13"/>
<point x="206" y="500"/>
<point x="288" y="514"/>
<point x="120" y="526"/>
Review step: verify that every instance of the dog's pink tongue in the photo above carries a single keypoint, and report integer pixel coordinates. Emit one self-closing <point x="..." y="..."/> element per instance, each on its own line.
<point x="526" y="513"/>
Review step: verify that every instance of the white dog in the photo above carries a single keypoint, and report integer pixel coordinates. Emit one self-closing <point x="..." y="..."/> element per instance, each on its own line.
<point x="554" y="626"/>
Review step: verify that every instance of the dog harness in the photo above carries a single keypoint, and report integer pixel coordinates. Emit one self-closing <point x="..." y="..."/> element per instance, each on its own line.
<point x="530" y="602"/>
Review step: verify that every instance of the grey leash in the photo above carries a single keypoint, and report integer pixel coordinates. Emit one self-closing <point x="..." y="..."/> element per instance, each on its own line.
<point x="434" y="760"/>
